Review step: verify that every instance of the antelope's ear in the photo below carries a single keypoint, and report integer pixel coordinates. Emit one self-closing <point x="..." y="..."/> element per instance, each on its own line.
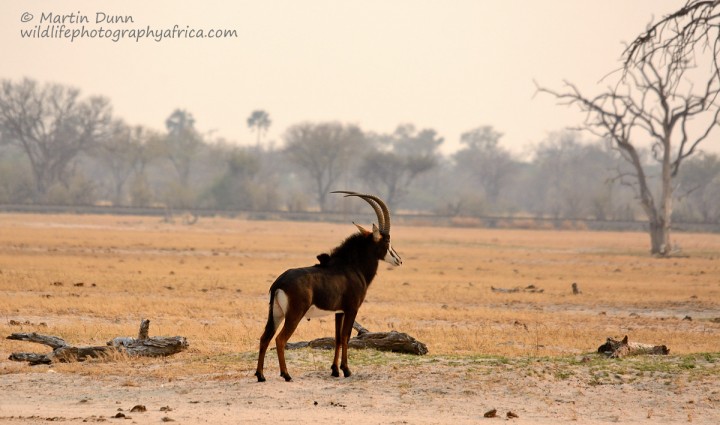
<point x="362" y="230"/>
<point x="323" y="259"/>
<point x="376" y="233"/>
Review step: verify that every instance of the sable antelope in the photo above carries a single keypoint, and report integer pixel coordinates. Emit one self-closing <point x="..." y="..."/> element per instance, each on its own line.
<point x="337" y="284"/>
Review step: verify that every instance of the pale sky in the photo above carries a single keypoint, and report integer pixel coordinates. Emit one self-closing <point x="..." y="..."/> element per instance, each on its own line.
<point x="447" y="65"/>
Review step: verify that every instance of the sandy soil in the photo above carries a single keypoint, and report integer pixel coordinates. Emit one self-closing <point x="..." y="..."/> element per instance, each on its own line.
<point x="90" y="279"/>
<point x="429" y="391"/>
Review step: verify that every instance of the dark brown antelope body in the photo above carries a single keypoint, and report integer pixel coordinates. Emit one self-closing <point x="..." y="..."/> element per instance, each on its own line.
<point x="338" y="284"/>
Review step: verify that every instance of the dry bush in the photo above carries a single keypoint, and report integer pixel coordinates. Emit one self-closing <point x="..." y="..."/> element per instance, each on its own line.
<point x="466" y="222"/>
<point x="573" y="225"/>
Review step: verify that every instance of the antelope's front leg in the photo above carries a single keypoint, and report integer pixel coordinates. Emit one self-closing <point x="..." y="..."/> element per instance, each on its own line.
<point x="347" y="328"/>
<point x="338" y="343"/>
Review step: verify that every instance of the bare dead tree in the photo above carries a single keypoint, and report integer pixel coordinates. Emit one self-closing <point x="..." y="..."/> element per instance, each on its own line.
<point x="659" y="105"/>
<point x="52" y="125"/>
<point x="679" y="37"/>
<point x="123" y="153"/>
<point x="398" y="159"/>
<point x="182" y="143"/>
<point x="485" y="161"/>
<point x="325" y="151"/>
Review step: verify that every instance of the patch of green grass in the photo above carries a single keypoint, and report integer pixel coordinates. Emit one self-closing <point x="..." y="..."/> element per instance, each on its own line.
<point x="710" y="357"/>
<point x="563" y="374"/>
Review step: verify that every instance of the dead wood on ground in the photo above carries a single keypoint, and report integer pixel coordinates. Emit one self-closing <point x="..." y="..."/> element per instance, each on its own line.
<point x="529" y="288"/>
<point x="143" y="345"/>
<point x="616" y="349"/>
<point x="396" y="342"/>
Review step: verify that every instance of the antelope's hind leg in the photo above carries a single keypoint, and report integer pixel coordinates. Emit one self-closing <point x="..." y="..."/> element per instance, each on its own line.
<point x="264" y="342"/>
<point x="261" y="358"/>
<point x="292" y="320"/>
<point x="275" y="317"/>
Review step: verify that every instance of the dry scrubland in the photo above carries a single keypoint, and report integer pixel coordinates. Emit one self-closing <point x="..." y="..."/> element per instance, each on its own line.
<point x="91" y="278"/>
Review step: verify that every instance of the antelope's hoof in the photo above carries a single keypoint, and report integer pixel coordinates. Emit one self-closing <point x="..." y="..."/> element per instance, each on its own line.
<point x="287" y="377"/>
<point x="346" y="372"/>
<point x="335" y="371"/>
<point x="260" y="377"/>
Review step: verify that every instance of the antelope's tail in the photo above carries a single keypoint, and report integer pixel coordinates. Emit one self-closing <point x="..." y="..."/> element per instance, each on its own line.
<point x="270" y="327"/>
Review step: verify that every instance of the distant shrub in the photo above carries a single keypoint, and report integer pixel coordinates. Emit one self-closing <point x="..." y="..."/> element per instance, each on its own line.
<point x="466" y="222"/>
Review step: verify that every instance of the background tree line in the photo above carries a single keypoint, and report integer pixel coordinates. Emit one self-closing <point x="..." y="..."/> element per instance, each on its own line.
<point x="645" y="158"/>
<point x="57" y="147"/>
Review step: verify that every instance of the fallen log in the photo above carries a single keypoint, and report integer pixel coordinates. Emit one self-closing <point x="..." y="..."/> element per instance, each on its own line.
<point x="530" y="288"/>
<point x="143" y="346"/>
<point x="396" y="342"/>
<point x="62" y="352"/>
<point x="616" y="349"/>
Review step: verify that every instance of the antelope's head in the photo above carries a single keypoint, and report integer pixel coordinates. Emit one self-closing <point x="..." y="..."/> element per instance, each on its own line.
<point x="381" y="232"/>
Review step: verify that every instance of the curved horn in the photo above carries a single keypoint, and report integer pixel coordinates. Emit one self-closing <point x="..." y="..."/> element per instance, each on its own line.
<point x="381" y="210"/>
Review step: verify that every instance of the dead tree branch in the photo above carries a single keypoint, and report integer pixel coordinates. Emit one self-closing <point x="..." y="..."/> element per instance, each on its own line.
<point x="616" y="349"/>
<point x="679" y="36"/>
<point x="396" y="342"/>
<point x="143" y="345"/>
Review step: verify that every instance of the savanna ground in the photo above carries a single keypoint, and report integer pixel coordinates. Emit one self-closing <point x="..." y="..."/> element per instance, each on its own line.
<point x="88" y="279"/>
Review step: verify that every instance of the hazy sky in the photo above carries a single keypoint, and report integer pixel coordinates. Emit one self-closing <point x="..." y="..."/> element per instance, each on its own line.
<point x="447" y="65"/>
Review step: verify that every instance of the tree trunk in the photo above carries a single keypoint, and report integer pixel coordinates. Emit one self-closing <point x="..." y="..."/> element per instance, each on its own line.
<point x="659" y="238"/>
<point x="662" y="230"/>
<point x="117" y="197"/>
<point x="321" y="192"/>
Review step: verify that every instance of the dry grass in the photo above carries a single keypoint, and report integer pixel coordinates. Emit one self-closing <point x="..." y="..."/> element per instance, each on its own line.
<point x="91" y="278"/>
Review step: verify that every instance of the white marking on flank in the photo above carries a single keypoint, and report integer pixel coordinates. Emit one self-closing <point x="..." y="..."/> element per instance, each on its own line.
<point x="279" y="307"/>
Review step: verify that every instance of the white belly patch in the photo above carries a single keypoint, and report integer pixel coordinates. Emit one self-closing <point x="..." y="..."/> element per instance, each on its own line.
<point x="281" y="305"/>
<point x="314" y="312"/>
